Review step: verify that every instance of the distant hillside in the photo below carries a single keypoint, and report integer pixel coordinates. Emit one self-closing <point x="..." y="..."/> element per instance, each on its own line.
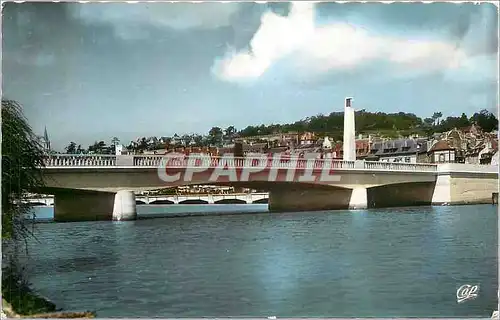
<point x="388" y="124"/>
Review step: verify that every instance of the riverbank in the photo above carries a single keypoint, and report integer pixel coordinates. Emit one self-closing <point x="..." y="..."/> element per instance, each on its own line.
<point x="8" y="312"/>
<point x="20" y="301"/>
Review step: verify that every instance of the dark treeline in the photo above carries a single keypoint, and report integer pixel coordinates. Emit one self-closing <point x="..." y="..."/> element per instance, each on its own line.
<point x="378" y="122"/>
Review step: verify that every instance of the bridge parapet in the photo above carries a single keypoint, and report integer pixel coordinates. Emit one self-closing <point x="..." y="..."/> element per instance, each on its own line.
<point x="395" y="166"/>
<point x="467" y="168"/>
<point x="150" y="161"/>
<point x="80" y="160"/>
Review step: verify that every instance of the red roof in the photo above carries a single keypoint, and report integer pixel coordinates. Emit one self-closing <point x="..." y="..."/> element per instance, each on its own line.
<point x="361" y="144"/>
<point x="441" y="146"/>
<point x="494" y="144"/>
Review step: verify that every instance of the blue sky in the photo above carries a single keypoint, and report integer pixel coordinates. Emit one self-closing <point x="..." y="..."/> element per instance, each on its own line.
<point x="93" y="71"/>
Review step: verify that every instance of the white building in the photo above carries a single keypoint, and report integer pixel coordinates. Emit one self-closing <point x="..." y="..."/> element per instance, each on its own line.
<point x="494" y="159"/>
<point x="327" y="144"/>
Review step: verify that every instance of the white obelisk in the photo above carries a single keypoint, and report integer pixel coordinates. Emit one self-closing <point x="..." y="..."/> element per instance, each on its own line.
<point x="349" y="132"/>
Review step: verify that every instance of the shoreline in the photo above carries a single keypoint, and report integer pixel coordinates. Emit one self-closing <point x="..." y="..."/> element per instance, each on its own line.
<point x="43" y="307"/>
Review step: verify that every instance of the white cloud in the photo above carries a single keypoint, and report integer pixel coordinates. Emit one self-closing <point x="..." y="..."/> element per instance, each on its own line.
<point x="314" y="50"/>
<point x="475" y="69"/>
<point x="173" y="15"/>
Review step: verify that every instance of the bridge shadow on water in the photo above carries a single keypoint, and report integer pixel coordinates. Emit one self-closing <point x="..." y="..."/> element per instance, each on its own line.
<point x="401" y="195"/>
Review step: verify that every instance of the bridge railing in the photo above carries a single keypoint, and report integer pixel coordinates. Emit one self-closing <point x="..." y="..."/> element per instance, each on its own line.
<point x="71" y="160"/>
<point x="147" y="160"/>
<point x="376" y="165"/>
<point x="80" y="160"/>
<point x="241" y="162"/>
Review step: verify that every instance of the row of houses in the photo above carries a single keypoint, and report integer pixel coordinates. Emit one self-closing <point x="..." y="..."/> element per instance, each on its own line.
<point x="465" y="145"/>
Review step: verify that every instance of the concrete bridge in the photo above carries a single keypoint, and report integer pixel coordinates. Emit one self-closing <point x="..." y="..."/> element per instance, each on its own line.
<point x="237" y="198"/>
<point x="101" y="187"/>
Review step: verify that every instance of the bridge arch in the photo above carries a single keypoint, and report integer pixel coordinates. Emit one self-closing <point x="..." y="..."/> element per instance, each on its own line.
<point x="139" y="202"/>
<point x="230" y="201"/>
<point x="165" y="201"/>
<point x="37" y="204"/>
<point x="261" y="201"/>
<point x="193" y="201"/>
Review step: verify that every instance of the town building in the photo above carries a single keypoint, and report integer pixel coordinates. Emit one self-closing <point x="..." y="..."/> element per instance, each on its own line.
<point x="275" y="140"/>
<point x="468" y="145"/>
<point x="409" y="150"/>
<point x="307" y="139"/>
<point x="443" y="152"/>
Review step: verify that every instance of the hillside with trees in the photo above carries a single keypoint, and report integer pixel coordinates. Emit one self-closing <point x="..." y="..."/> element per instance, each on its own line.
<point x="387" y="124"/>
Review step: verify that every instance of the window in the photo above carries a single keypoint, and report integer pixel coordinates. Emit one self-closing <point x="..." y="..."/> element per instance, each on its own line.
<point x="441" y="158"/>
<point x="407" y="159"/>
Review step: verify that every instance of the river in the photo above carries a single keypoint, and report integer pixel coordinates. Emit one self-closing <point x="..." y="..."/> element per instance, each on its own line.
<point x="373" y="263"/>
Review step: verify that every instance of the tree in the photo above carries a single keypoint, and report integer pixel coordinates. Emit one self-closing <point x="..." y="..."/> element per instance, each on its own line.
<point x="114" y="142"/>
<point x="132" y="147"/>
<point x="143" y="144"/>
<point x="463" y="121"/>
<point x="436" y="116"/>
<point x="20" y="149"/>
<point x="22" y="164"/>
<point x="215" y="134"/>
<point x="486" y="120"/>
<point x="429" y="122"/>
<point x="198" y="140"/>
<point x="229" y="132"/>
<point x="71" y="148"/>
<point x="98" y="147"/>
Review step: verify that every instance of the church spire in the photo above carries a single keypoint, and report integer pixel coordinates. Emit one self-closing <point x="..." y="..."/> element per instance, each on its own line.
<point x="46" y="139"/>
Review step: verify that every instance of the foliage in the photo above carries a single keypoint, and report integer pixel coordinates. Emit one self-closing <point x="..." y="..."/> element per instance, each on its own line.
<point x="22" y="163"/>
<point x="377" y="122"/>
<point x="99" y="148"/>
<point x="115" y="141"/>
<point x="22" y="160"/>
<point x="16" y="290"/>
<point x="486" y="120"/>
<point x="215" y="136"/>
<point x="71" y="148"/>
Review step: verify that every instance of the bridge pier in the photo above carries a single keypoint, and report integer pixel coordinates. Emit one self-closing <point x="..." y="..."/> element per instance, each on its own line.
<point x="359" y="199"/>
<point x="459" y="185"/>
<point x="124" y="207"/>
<point x="72" y="206"/>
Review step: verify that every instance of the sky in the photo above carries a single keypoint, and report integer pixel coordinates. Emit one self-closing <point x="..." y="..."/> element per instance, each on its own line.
<point x="93" y="71"/>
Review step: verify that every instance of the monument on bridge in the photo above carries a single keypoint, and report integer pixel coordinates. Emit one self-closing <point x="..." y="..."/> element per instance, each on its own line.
<point x="349" y="145"/>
